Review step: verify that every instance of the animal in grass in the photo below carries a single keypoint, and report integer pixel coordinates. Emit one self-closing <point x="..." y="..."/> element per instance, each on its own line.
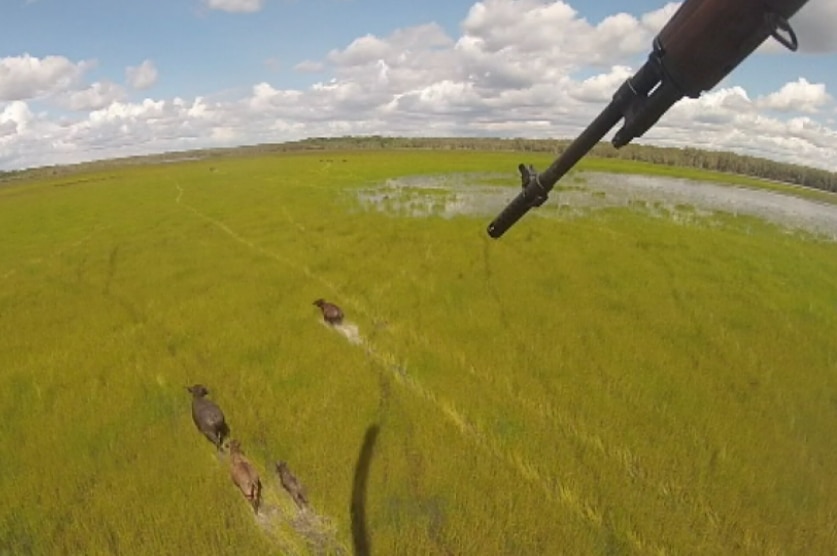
<point x="332" y="314"/>
<point x="292" y="484"/>
<point x="245" y="476"/>
<point x="207" y="416"/>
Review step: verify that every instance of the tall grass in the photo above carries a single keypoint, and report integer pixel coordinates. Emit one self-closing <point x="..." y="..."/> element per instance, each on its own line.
<point x="617" y="383"/>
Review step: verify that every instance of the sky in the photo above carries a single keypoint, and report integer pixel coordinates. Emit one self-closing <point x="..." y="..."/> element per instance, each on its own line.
<point x="90" y="79"/>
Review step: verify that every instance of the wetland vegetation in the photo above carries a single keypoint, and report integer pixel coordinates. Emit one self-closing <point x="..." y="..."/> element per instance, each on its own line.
<point x="636" y="377"/>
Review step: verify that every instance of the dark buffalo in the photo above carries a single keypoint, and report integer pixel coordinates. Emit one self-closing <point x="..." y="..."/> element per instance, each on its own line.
<point x="207" y="416"/>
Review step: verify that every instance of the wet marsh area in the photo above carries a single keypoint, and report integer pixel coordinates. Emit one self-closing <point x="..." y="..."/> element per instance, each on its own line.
<point x="580" y="193"/>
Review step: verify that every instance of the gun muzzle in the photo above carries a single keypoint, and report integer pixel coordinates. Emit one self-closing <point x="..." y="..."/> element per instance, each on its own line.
<point x="702" y="42"/>
<point x="534" y="194"/>
<point x="629" y="101"/>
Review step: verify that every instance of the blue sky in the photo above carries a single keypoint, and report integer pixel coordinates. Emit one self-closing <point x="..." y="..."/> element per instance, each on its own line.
<point x="227" y="72"/>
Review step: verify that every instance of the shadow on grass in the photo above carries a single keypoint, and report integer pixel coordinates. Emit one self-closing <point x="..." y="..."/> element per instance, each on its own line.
<point x="360" y="534"/>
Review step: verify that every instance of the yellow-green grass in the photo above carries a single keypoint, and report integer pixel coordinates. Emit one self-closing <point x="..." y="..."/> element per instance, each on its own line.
<point x="612" y="384"/>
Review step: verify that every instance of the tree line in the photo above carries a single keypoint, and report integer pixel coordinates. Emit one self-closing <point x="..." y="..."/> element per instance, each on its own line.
<point x="670" y="156"/>
<point x="718" y="161"/>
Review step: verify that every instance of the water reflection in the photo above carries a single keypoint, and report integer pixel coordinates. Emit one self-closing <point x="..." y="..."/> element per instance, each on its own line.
<point x="484" y="195"/>
<point x="446" y="196"/>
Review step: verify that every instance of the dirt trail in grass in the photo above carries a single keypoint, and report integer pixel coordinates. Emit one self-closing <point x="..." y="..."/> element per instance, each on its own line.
<point x="284" y="524"/>
<point x="350" y="331"/>
<point x="535" y="474"/>
<point x="552" y="487"/>
<point x="302" y="268"/>
<point x="293" y="531"/>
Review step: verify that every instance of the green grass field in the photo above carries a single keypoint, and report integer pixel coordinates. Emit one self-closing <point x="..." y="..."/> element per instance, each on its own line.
<point x="612" y="384"/>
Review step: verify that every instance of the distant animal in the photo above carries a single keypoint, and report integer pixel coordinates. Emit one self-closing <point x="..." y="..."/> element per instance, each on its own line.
<point x="332" y="314"/>
<point x="207" y="416"/>
<point x="245" y="476"/>
<point x="292" y="484"/>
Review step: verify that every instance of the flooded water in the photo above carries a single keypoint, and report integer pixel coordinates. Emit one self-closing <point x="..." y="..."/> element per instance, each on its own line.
<point x="579" y="194"/>
<point x="446" y="195"/>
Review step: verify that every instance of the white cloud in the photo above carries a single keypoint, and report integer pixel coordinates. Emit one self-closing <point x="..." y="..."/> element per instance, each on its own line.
<point x="441" y="98"/>
<point x="654" y="21"/>
<point x="309" y="66"/>
<point x="143" y="76"/>
<point x="126" y="111"/>
<point x="26" y="77"/>
<point x="265" y="97"/>
<point x="530" y="68"/>
<point x="235" y="6"/>
<point x="15" y="117"/>
<point x="600" y="88"/>
<point x="544" y="40"/>
<point x="726" y="119"/>
<point x="365" y="49"/>
<point x="96" y="96"/>
<point x="798" y="96"/>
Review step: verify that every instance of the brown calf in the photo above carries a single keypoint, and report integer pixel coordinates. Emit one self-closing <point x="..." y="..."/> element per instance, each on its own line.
<point x="245" y="476"/>
<point x="332" y="314"/>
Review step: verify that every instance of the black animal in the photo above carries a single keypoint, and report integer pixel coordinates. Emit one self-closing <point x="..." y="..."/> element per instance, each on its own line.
<point x="332" y="314"/>
<point x="207" y="416"/>
<point x="292" y="485"/>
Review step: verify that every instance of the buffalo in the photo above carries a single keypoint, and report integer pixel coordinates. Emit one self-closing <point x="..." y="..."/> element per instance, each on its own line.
<point x="245" y="476"/>
<point x="292" y="484"/>
<point x="332" y="314"/>
<point x="207" y="416"/>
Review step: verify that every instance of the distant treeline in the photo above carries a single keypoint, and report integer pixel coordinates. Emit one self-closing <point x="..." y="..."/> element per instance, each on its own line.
<point x="669" y="156"/>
